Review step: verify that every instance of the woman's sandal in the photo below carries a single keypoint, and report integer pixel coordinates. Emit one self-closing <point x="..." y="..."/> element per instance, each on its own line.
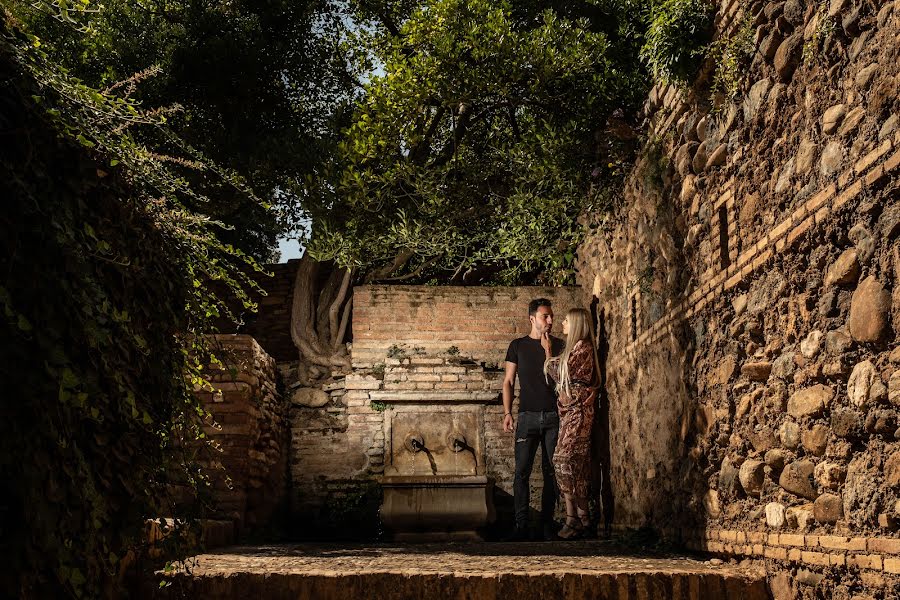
<point x="571" y="531"/>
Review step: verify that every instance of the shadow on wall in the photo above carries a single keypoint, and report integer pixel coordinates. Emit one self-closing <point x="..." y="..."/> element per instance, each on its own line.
<point x="601" y="479"/>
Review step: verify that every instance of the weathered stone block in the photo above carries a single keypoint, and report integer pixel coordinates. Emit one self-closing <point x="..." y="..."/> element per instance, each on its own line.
<point x="310" y="397"/>
<point x="830" y="475"/>
<point x="828" y="508"/>
<point x="775" y="516"/>
<point x="796" y="478"/>
<point x="811" y="401"/>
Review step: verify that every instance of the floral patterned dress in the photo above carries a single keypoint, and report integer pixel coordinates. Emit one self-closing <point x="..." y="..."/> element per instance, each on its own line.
<point x="571" y="460"/>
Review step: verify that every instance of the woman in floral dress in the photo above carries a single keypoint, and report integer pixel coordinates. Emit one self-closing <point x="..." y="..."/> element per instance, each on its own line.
<point x="576" y="373"/>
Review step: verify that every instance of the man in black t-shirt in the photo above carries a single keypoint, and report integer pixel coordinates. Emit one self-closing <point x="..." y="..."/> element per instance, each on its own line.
<point x="538" y="421"/>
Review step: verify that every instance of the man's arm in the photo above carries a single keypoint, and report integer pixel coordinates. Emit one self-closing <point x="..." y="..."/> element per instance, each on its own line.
<point x="509" y="383"/>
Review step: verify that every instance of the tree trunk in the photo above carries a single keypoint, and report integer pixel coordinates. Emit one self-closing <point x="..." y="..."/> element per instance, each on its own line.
<point x="314" y="327"/>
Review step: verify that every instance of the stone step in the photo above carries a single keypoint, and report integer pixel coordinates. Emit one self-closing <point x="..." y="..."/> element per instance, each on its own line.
<point x="559" y="570"/>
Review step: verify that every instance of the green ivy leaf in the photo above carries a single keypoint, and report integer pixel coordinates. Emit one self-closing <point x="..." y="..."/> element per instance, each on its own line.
<point x="84" y="141"/>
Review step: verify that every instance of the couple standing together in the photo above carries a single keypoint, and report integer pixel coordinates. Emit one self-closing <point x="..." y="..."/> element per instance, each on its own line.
<point x="558" y="382"/>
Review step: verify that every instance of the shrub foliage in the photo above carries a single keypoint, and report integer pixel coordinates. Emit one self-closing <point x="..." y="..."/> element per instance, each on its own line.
<point x="104" y="295"/>
<point x="677" y="39"/>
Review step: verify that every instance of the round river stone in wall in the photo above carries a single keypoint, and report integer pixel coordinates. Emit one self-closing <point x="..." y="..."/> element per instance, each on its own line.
<point x="310" y="397"/>
<point x="832" y="158"/>
<point x="810" y="402"/>
<point x="789" y="433"/>
<point x="797" y="479"/>
<point x="788" y="56"/>
<point x="752" y="476"/>
<point x="832" y="118"/>
<point x="845" y="270"/>
<point x="860" y="383"/>
<point x="869" y="311"/>
<point x="815" y="440"/>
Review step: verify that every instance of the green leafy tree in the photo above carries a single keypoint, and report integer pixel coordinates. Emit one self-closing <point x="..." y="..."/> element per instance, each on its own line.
<point x="469" y="157"/>
<point x="258" y="86"/>
<point x="677" y="38"/>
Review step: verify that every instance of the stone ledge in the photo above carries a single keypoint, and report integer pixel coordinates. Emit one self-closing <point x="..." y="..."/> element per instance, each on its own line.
<point x="433" y="397"/>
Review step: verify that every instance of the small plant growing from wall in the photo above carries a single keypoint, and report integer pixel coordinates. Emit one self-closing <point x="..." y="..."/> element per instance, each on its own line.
<point x="453" y="351"/>
<point x="654" y="165"/>
<point x="677" y="39"/>
<point x="379" y="406"/>
<point x="731" y="55"/>
<point x="396" y="351"/>
<point x="378" y="370"/>
<point x="825" y="28"/>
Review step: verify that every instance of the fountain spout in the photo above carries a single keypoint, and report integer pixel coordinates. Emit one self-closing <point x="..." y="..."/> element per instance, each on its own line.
<point x="457" y="442"/>
<point x="414" y="442"/>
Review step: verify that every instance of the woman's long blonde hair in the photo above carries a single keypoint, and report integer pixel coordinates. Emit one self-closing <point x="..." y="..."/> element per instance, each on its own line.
<point x="581" y="327"/>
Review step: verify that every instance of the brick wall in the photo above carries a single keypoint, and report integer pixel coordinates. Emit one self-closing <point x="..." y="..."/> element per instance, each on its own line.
<point x="751" y="308"/>
<point x="249" y="426"/>
<point x="478" y="321"/>
<point x="270" y="326"/>
<point x="415" y="349"/>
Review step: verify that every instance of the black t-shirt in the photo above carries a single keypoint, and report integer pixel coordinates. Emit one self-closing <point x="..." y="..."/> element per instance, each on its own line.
<point x="535" y="394"/>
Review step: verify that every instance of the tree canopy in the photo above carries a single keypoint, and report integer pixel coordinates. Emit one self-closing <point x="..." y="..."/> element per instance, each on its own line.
<point x="259" y="87"/>
<point x="474" y="146"/>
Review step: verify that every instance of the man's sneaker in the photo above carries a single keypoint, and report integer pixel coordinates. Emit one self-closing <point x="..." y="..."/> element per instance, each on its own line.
<point x="519" y="534"/>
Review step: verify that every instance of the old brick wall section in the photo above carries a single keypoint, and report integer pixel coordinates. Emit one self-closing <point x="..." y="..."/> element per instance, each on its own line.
<point x="440" y="345"/>
<point x="250" y="428"/>
<point x="478" y="321"/>
<point x="270" y="326"/>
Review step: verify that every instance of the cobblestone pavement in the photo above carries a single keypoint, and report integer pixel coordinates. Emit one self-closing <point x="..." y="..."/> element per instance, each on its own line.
<point x="471" y="559"/>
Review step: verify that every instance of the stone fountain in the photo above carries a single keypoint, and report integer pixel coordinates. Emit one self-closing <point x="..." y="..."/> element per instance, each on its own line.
<point x="434" y="486"/>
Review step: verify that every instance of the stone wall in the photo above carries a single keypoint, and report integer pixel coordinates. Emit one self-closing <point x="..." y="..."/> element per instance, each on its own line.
<point x="415" y="348"/>
<point x="249" y="427"/>
<point x="749" y="294"/>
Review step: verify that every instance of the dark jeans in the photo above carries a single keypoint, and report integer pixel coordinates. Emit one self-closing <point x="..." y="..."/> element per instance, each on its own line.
<point x="535" y="429"/>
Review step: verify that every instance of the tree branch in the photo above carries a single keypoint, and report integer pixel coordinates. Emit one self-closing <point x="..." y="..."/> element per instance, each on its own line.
<point x="462" y="125"/>
<point x="345" y="319"/>
<point x="415" y="273"/>
<point x="420" y="152"/>
<point x="401" y="259"/>
<point x="335" y="306"/>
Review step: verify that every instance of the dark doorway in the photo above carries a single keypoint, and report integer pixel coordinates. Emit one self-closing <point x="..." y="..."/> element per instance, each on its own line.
<point x="600" y="447"/>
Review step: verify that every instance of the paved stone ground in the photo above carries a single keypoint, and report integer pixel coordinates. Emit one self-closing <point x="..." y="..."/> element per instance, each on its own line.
<point x="513" y="571"/>
<point x="449" y="558"/>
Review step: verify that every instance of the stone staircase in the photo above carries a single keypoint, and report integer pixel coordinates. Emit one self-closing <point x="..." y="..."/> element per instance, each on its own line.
<point x="489" y="571"/>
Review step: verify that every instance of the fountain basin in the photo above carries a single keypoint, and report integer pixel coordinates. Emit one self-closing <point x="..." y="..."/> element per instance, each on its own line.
<point x="425" y="508"/>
